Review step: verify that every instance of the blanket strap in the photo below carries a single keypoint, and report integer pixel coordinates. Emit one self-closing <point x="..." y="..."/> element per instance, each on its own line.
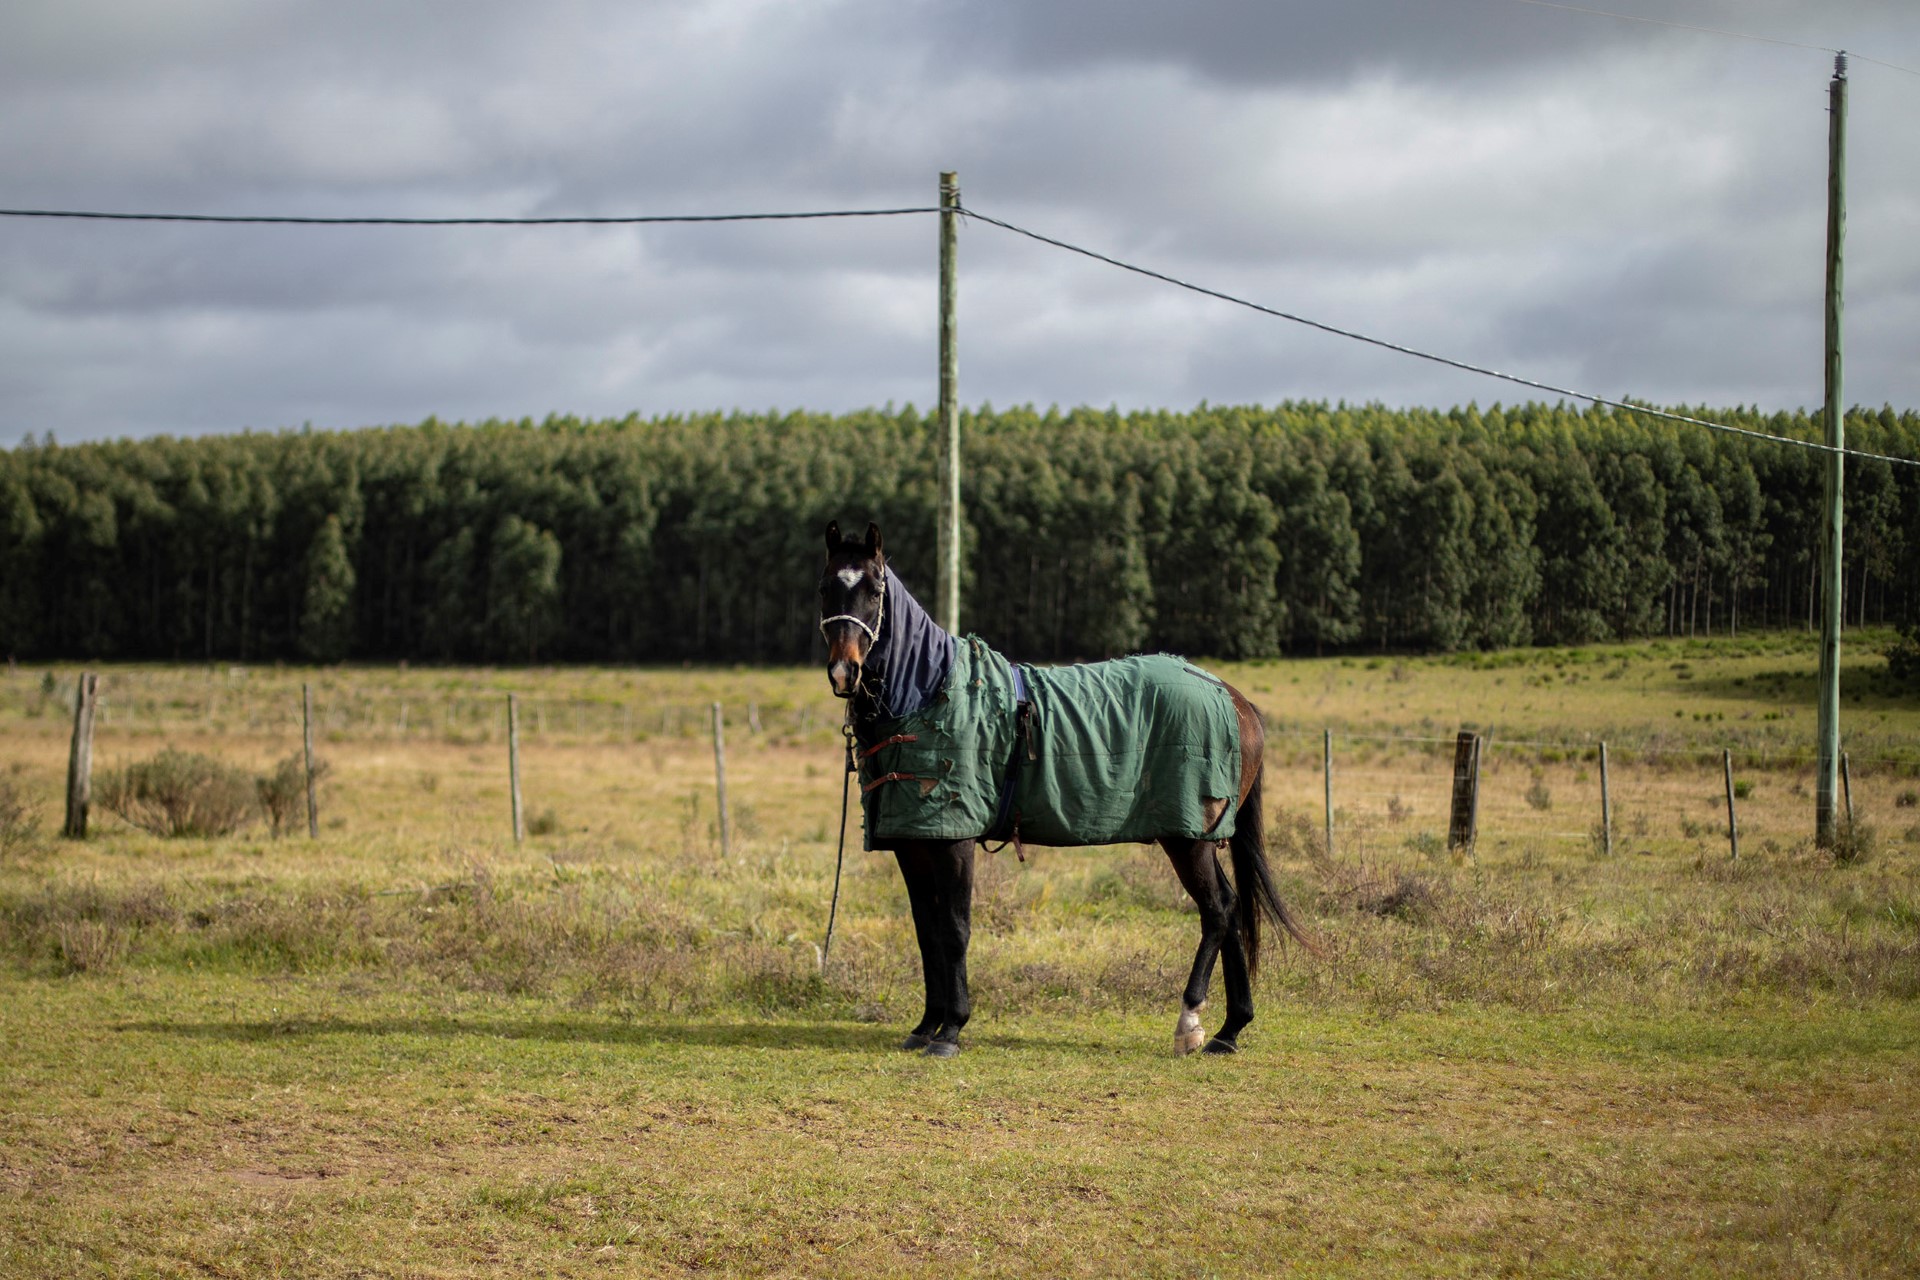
<point x="893" y="777"/>
<point x="1014" y="840"/>
<point x="894" y="741"/>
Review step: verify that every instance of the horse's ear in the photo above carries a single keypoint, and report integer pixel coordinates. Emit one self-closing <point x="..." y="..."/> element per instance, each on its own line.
<point x="873" y="539"/>
<point x="833" y="536"/>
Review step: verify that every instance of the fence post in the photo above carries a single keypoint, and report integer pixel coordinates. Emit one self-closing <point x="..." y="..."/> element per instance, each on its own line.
<point x="1733" y="828"/>
<point x="720" y="776"/>
<point x="306" y="738"/>
<point x="1606" y="805"/>
<point x="80" y="758"/>
<point x="513" y="765"/>
<point x="1480" y="740"/>
<point x="1846" y="788"/>
<point x="1463" y="819"/>
<point x="1326" y="752"/>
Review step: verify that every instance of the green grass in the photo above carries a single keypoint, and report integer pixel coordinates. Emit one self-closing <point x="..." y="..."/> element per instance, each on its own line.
<point x="307" y="1126"/>
<point x="410" y="1048"/>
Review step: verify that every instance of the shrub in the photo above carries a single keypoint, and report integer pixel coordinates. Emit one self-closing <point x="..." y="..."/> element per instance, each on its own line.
<point x="1410" y="897"/>
<point x="19" y="819"/>
<point x="1903" y="655"/>
<point x="1428" y="845"/>
<point x="90" y="946"/>
<point x="181" y="793"/>
<point x="1854" y="843"/>
<point x="283" y="793"/>
<point x="543" y="823"/>
<point x="1538" y="796"/>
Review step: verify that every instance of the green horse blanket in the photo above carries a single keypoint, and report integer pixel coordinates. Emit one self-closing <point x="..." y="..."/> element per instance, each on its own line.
<point x="1102" y="753"/>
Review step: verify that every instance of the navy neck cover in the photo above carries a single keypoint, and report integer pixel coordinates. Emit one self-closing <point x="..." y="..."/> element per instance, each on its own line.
<point x="913" y="656"/>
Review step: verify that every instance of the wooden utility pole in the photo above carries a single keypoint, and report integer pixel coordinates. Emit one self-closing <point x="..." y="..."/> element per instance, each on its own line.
<point x="80" y="758"/>
<point x="1827" y="769"/>
<point x="947" y="536"/>
<point x="513" y="765"/>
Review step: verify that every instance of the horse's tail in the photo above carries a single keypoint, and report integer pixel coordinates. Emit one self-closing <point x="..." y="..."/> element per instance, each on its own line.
<point x="1253" y="879"/>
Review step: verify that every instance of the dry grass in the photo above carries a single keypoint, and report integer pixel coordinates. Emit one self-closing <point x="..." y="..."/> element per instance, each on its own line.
<point x="410" y="1047"/>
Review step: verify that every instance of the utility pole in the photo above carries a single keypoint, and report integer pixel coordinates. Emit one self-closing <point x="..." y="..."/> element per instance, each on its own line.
<point x="1826" y="826"/>
<point x="947" y="534"/>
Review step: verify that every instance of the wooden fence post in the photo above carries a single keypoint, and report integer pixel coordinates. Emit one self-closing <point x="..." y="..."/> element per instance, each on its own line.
<point x="1463" y="819"/>
<point x="80" y="758"/>
<point x="720" y="776"/>
<point x="306" y="737"/>
<point x="1846" y="788"/>
<point x="1326" y="760"/>
<point x="1606" y="805"/>
<point x="1733" y="827"/>
<point x="513" y="765"/>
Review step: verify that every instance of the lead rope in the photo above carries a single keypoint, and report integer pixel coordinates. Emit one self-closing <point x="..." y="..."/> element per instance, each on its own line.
<point x="846" y="789"/>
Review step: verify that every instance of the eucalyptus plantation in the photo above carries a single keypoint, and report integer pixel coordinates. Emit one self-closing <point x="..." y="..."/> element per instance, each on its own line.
<point x="1238" y="531"/>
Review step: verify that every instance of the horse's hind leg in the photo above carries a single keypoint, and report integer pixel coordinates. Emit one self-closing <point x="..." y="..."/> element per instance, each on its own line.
<point x="1239" y="981"/>
<point x="1194" y="861"/>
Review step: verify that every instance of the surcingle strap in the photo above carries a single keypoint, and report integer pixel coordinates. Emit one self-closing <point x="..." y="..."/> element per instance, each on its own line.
<point x="926" y="784"/>
<point x="894" y="741"/>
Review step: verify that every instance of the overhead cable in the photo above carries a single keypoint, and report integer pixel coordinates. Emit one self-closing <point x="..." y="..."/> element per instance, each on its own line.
<point x="655" y="219"/>
<point x="1817" y="446"/>
<point x="635" y="220"/>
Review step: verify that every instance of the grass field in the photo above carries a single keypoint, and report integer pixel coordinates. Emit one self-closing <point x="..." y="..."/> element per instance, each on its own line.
<point x="411" y="1048"/>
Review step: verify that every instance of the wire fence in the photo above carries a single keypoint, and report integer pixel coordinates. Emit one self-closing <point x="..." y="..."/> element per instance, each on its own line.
<point x="1393" y="793"/>
<point x="974" y="215"/>
<point x="1390" y="792"/>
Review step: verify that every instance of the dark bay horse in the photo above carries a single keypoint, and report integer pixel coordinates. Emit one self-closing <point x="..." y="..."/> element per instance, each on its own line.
<point x="890" y="660"/>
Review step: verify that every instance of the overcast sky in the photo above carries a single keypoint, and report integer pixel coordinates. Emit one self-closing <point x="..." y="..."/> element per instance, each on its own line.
<point x="1616" y="207"/>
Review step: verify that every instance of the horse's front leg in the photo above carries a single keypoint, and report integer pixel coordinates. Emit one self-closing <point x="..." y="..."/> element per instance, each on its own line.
<point x="953" y="917"/>
<point x="916" y="861"/>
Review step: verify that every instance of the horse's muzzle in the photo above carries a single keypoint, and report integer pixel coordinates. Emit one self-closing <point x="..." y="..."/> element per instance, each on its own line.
<point x="844" y="677"/>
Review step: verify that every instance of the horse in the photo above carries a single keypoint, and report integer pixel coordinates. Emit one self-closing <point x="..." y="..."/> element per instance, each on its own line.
<point x="893" y="664"/>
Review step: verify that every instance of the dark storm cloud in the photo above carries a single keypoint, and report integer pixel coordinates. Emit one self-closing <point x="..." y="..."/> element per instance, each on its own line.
<point x="1594" y="202"/>
<point x="1290" y="41"/>
<point x="1307" y="41"/>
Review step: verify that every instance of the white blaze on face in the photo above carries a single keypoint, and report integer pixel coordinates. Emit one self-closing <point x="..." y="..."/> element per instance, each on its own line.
<point x="850" y="577"/>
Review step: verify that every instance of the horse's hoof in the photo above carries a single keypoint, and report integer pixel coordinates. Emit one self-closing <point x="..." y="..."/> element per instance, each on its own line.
<point x="1217" y="1045"/>
<point x="1188" y="1034"/>
<point x="943" y="1049"/>
<point x="916" y="1041"/>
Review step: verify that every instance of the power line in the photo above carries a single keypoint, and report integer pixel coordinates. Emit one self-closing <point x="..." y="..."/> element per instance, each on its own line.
<point x="258" y="219"/>
<point x="644" y="219"/>
<point x="1817" y="446"/>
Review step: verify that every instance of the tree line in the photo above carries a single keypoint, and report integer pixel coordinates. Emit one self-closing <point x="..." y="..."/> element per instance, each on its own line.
<point x="1223" y="531"/>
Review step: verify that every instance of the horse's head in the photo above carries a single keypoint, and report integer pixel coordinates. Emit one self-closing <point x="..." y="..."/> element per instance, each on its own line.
<point x="853" y="605"/>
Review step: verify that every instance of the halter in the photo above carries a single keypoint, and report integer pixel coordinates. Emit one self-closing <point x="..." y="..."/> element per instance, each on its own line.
<point x="873" y="632"/>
